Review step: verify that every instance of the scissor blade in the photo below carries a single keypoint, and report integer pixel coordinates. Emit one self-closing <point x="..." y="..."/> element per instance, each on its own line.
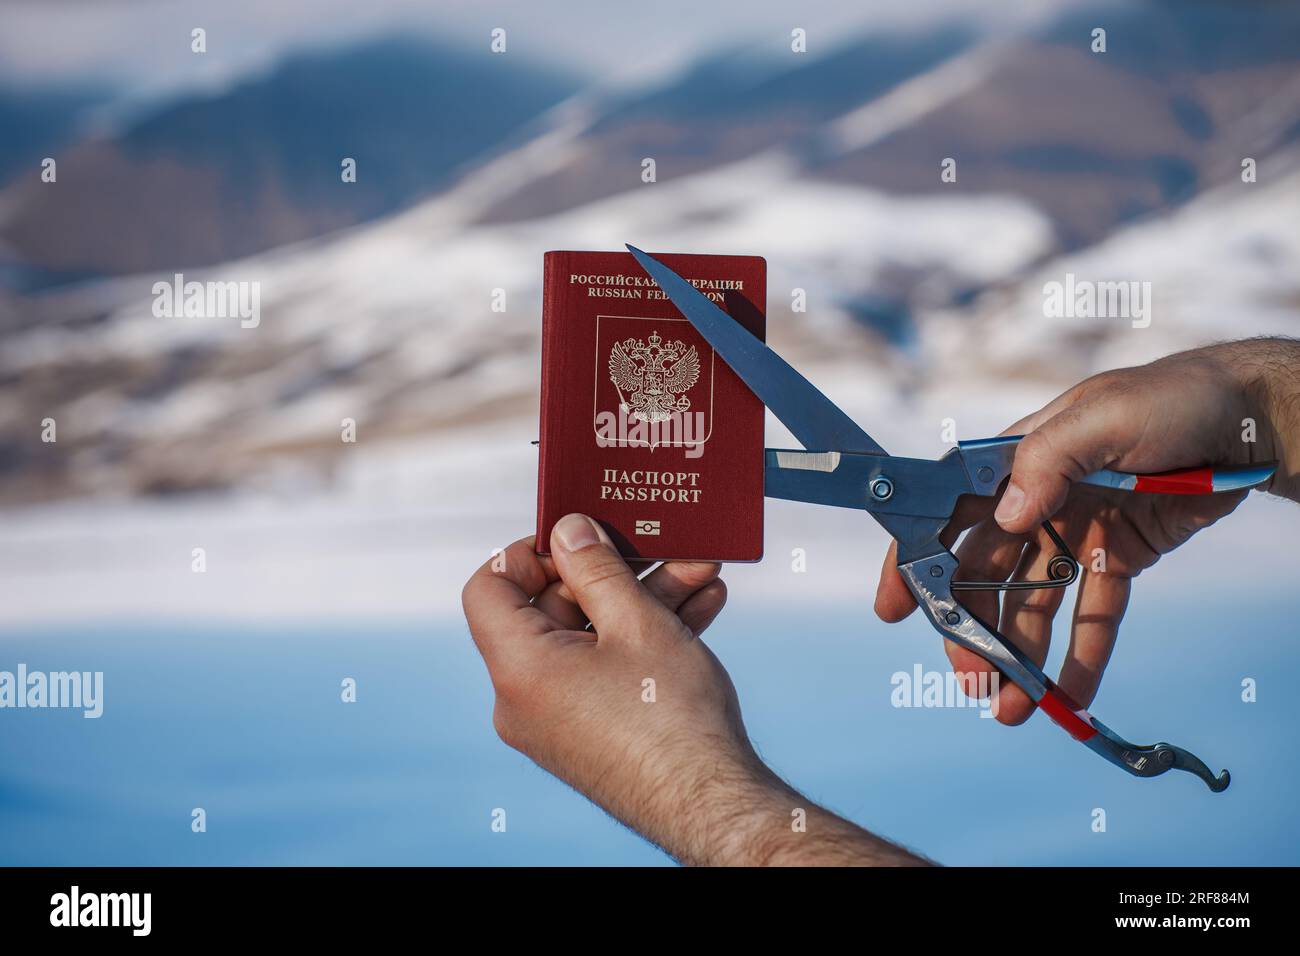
<point x="819" y="478"/>
<point x="811" y="417"/>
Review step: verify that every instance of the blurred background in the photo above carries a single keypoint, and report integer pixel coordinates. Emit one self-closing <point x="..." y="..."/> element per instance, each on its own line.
<point x="327" y="560"/>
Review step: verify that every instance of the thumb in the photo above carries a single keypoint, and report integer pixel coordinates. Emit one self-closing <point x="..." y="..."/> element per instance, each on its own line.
<point x="1068" y="446"/>
<point x="601" y="582"/>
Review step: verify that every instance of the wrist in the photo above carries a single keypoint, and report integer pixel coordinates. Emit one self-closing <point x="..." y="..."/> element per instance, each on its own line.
<point x="739" y="813"/>
<point x="755" y="819"/>
<point x="716" y="808"/>
<point x="1267" y="372"/>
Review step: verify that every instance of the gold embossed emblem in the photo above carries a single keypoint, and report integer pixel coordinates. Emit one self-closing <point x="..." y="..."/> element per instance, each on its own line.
<point x="653" y="377"/>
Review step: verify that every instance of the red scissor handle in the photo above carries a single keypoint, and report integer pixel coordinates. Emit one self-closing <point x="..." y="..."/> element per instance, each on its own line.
<point x="990" y="460"/>
<point x="1186" y="481"/>
<point x="1066" y="712"/>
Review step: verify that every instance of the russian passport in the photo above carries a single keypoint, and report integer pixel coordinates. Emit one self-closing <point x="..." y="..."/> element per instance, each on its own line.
<point x="643" y="427"/>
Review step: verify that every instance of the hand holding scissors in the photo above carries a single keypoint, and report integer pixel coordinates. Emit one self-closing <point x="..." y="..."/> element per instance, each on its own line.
<point x="915" y="500"/>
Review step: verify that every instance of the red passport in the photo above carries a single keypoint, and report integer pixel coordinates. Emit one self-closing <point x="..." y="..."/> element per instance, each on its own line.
<point x="643" y="427"/>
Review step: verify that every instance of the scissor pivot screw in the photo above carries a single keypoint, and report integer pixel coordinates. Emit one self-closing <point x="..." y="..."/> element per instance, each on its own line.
<point x="952" y="617"/>
<point x="936" y="571"/>
<point x="985" y="474"/>
<point x="882" y="489"/>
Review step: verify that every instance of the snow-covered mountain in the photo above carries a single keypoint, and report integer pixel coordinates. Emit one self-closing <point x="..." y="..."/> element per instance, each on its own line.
<point x="392" y="325"/>
<point x="219" y="174"/>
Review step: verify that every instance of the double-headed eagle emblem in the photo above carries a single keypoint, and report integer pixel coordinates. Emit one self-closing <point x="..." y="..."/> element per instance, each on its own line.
<point x="652" y="376"/>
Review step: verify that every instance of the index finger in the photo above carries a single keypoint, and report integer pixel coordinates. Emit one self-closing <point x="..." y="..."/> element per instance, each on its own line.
<point x="498" y="599"/>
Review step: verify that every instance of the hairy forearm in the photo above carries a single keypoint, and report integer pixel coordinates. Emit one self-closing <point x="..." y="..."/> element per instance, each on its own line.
<point x="1268" y="372"/>
<point x="742" y="814"/>
<point x="792" y="831"/>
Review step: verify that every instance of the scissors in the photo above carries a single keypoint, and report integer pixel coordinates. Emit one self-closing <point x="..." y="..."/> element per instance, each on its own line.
<point x="914" y="500"/>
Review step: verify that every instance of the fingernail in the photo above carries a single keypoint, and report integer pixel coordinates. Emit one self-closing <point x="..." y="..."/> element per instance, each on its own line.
<point x="1012" y="503"/>
<point x="576" y="532"/>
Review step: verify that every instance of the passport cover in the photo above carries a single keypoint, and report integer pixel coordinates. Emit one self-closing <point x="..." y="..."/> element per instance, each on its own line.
<point x="643" y="427"/>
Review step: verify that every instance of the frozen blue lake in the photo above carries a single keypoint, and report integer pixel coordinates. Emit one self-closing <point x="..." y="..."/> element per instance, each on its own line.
<point x="247" y="723"/>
